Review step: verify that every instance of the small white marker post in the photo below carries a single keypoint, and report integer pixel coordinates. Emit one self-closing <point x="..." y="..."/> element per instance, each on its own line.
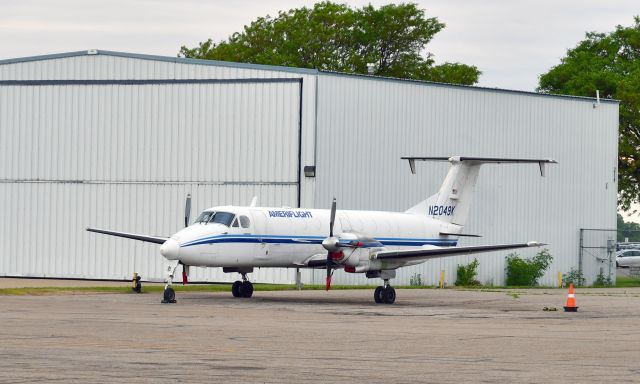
<point x="298" y="279"/>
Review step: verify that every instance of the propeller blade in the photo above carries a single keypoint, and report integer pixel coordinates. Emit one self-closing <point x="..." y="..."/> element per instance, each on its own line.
<point x="187" y="211"/>
<point x="333" y="217"/>
<point x="328" y="279"/>
<point x="329" y="261"/>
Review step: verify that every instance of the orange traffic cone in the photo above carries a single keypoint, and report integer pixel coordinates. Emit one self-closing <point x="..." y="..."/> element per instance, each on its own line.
<point x="571" y="301"/>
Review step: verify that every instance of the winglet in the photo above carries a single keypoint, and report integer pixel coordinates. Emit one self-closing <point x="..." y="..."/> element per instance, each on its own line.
<point x="535" y="244"/>
<point x="254" y="201"/>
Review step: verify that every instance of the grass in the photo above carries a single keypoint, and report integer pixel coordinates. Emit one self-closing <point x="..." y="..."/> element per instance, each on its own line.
<point x="126" y="288"/>
<point x="621" y="282"/>
<point x="627" y="281"/>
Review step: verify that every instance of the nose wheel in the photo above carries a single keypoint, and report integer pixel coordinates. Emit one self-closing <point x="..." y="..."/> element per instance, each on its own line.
<point x="242" y="288"/>
<point x="385" y="294"/>
<point x="169" y="296"/>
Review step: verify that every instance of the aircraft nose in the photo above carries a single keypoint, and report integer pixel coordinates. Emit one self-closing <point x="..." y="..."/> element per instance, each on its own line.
<point x="170" y="249"/>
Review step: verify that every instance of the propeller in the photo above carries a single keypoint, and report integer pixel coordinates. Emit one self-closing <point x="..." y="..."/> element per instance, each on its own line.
<point x="187" y="217"/>
<point x="187" y="211"/>
<point x="331" y="241"/>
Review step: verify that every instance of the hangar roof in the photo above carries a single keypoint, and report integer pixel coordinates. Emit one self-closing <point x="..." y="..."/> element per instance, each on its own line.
<point x="306" y="71"/>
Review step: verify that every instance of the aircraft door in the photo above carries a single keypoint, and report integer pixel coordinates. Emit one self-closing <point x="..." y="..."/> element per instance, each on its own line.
<point x="259" y="227"/>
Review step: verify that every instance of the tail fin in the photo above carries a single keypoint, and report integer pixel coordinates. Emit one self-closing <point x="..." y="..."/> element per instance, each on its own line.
<point x="452" y="202"/>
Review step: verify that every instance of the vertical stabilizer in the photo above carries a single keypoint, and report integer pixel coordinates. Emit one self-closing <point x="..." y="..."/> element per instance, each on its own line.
<point x="452" y="202"/>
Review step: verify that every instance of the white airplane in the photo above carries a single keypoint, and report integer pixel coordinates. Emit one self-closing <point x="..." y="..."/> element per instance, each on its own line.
<point x="239" y="239"/>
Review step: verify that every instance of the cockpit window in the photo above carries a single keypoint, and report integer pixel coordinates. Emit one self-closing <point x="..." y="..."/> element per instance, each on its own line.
<point x="204" y="217"/>
<point x="224" y="218"/>
<point x="235" y="223"/>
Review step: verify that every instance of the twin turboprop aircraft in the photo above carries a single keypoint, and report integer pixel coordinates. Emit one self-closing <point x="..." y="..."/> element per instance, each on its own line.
<point x="239" y="239"/>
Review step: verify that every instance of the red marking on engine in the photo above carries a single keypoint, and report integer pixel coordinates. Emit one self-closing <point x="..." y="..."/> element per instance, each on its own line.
<point x="337" y="256"/>
<point x="350" y="269"/>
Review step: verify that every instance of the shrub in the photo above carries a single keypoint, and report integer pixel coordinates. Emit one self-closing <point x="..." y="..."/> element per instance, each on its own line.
<point x="523" y="272"/>
<point x="602" y="281"/>
<point x="466" y="274"/>
<point x="573" y="276"/>
<point x="415" y="280"/>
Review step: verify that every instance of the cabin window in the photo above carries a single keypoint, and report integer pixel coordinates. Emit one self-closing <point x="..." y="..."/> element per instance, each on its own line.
<point x="224" y="218"/>
<point x="245" y="222"/>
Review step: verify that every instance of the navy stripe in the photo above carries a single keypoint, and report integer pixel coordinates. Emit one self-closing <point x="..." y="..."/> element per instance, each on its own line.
<point x="315" y="240"/>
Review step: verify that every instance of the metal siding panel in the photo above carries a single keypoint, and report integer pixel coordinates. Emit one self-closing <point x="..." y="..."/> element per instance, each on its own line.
<point x="47" y="236"/>
<point x="121" y="141"/>
<point x="102" y="140"/>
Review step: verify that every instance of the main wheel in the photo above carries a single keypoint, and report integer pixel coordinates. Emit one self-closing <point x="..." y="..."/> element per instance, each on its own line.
<point x="169" y="295"/>
<point x="235" y="288"/>
<point x="389" y="295"/>
<point x="246" y="289"/>
<point x="138" y="287"/>
<point x="377" y="294"/>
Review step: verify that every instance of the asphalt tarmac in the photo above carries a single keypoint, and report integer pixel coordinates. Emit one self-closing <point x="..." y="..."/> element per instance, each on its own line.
<point x="430" y="335"/>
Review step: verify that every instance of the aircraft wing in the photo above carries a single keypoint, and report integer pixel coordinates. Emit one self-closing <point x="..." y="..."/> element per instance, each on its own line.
<point x="432" y="253"/>
<point x="148" y="239"/>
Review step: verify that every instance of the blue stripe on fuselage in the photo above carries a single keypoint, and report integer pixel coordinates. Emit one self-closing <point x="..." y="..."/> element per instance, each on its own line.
<point x="274" y="239"/>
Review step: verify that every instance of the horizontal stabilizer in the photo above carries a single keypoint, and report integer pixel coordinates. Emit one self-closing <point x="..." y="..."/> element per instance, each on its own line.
<point x="148" y="239"/>
<point x="478" y="160"/>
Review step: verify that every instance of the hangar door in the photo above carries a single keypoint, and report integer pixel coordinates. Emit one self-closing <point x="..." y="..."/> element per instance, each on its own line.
<point x="123" y="155"/>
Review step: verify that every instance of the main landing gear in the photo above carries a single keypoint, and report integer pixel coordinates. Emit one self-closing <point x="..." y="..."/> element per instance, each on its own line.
<point x="385" y="294"/>
<point x="242" y="288"/>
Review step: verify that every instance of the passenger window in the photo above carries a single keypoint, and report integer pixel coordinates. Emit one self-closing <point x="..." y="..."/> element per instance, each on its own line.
<point x="235" y="223"/>
<point x="244" y="222"/>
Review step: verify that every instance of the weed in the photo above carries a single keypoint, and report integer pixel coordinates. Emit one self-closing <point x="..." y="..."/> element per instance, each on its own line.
<point x="466" y="274"/>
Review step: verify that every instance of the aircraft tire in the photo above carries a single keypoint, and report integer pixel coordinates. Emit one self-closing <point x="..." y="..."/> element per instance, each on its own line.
<point x="169" y="296"/>
<point x="246" y="289"/>
<point x="235" y="288"/>
<point x="377" y="294"/>
<point x="389" y="295"/>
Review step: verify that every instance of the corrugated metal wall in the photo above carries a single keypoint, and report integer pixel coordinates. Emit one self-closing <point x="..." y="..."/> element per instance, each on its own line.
<point x="365" y="125"/>
<point x="125" y="155"/>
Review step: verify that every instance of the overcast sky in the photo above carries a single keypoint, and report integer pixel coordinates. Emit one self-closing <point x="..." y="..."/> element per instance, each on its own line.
<point x="511" y="41"/>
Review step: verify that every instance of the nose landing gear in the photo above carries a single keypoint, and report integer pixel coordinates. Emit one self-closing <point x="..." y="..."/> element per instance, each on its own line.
<point x="169" y="295"/>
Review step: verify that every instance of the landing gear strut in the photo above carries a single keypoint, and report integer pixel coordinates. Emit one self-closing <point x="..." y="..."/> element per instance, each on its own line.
<point x="169" y="295"/>
<point x="242" y="288"/>
<point x="385" y="294"/>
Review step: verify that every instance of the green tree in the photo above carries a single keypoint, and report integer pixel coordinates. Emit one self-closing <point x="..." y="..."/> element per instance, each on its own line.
<point x="335" y="37"/>
<point x="609" y="62"/>
<point x="628" y="230"/>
